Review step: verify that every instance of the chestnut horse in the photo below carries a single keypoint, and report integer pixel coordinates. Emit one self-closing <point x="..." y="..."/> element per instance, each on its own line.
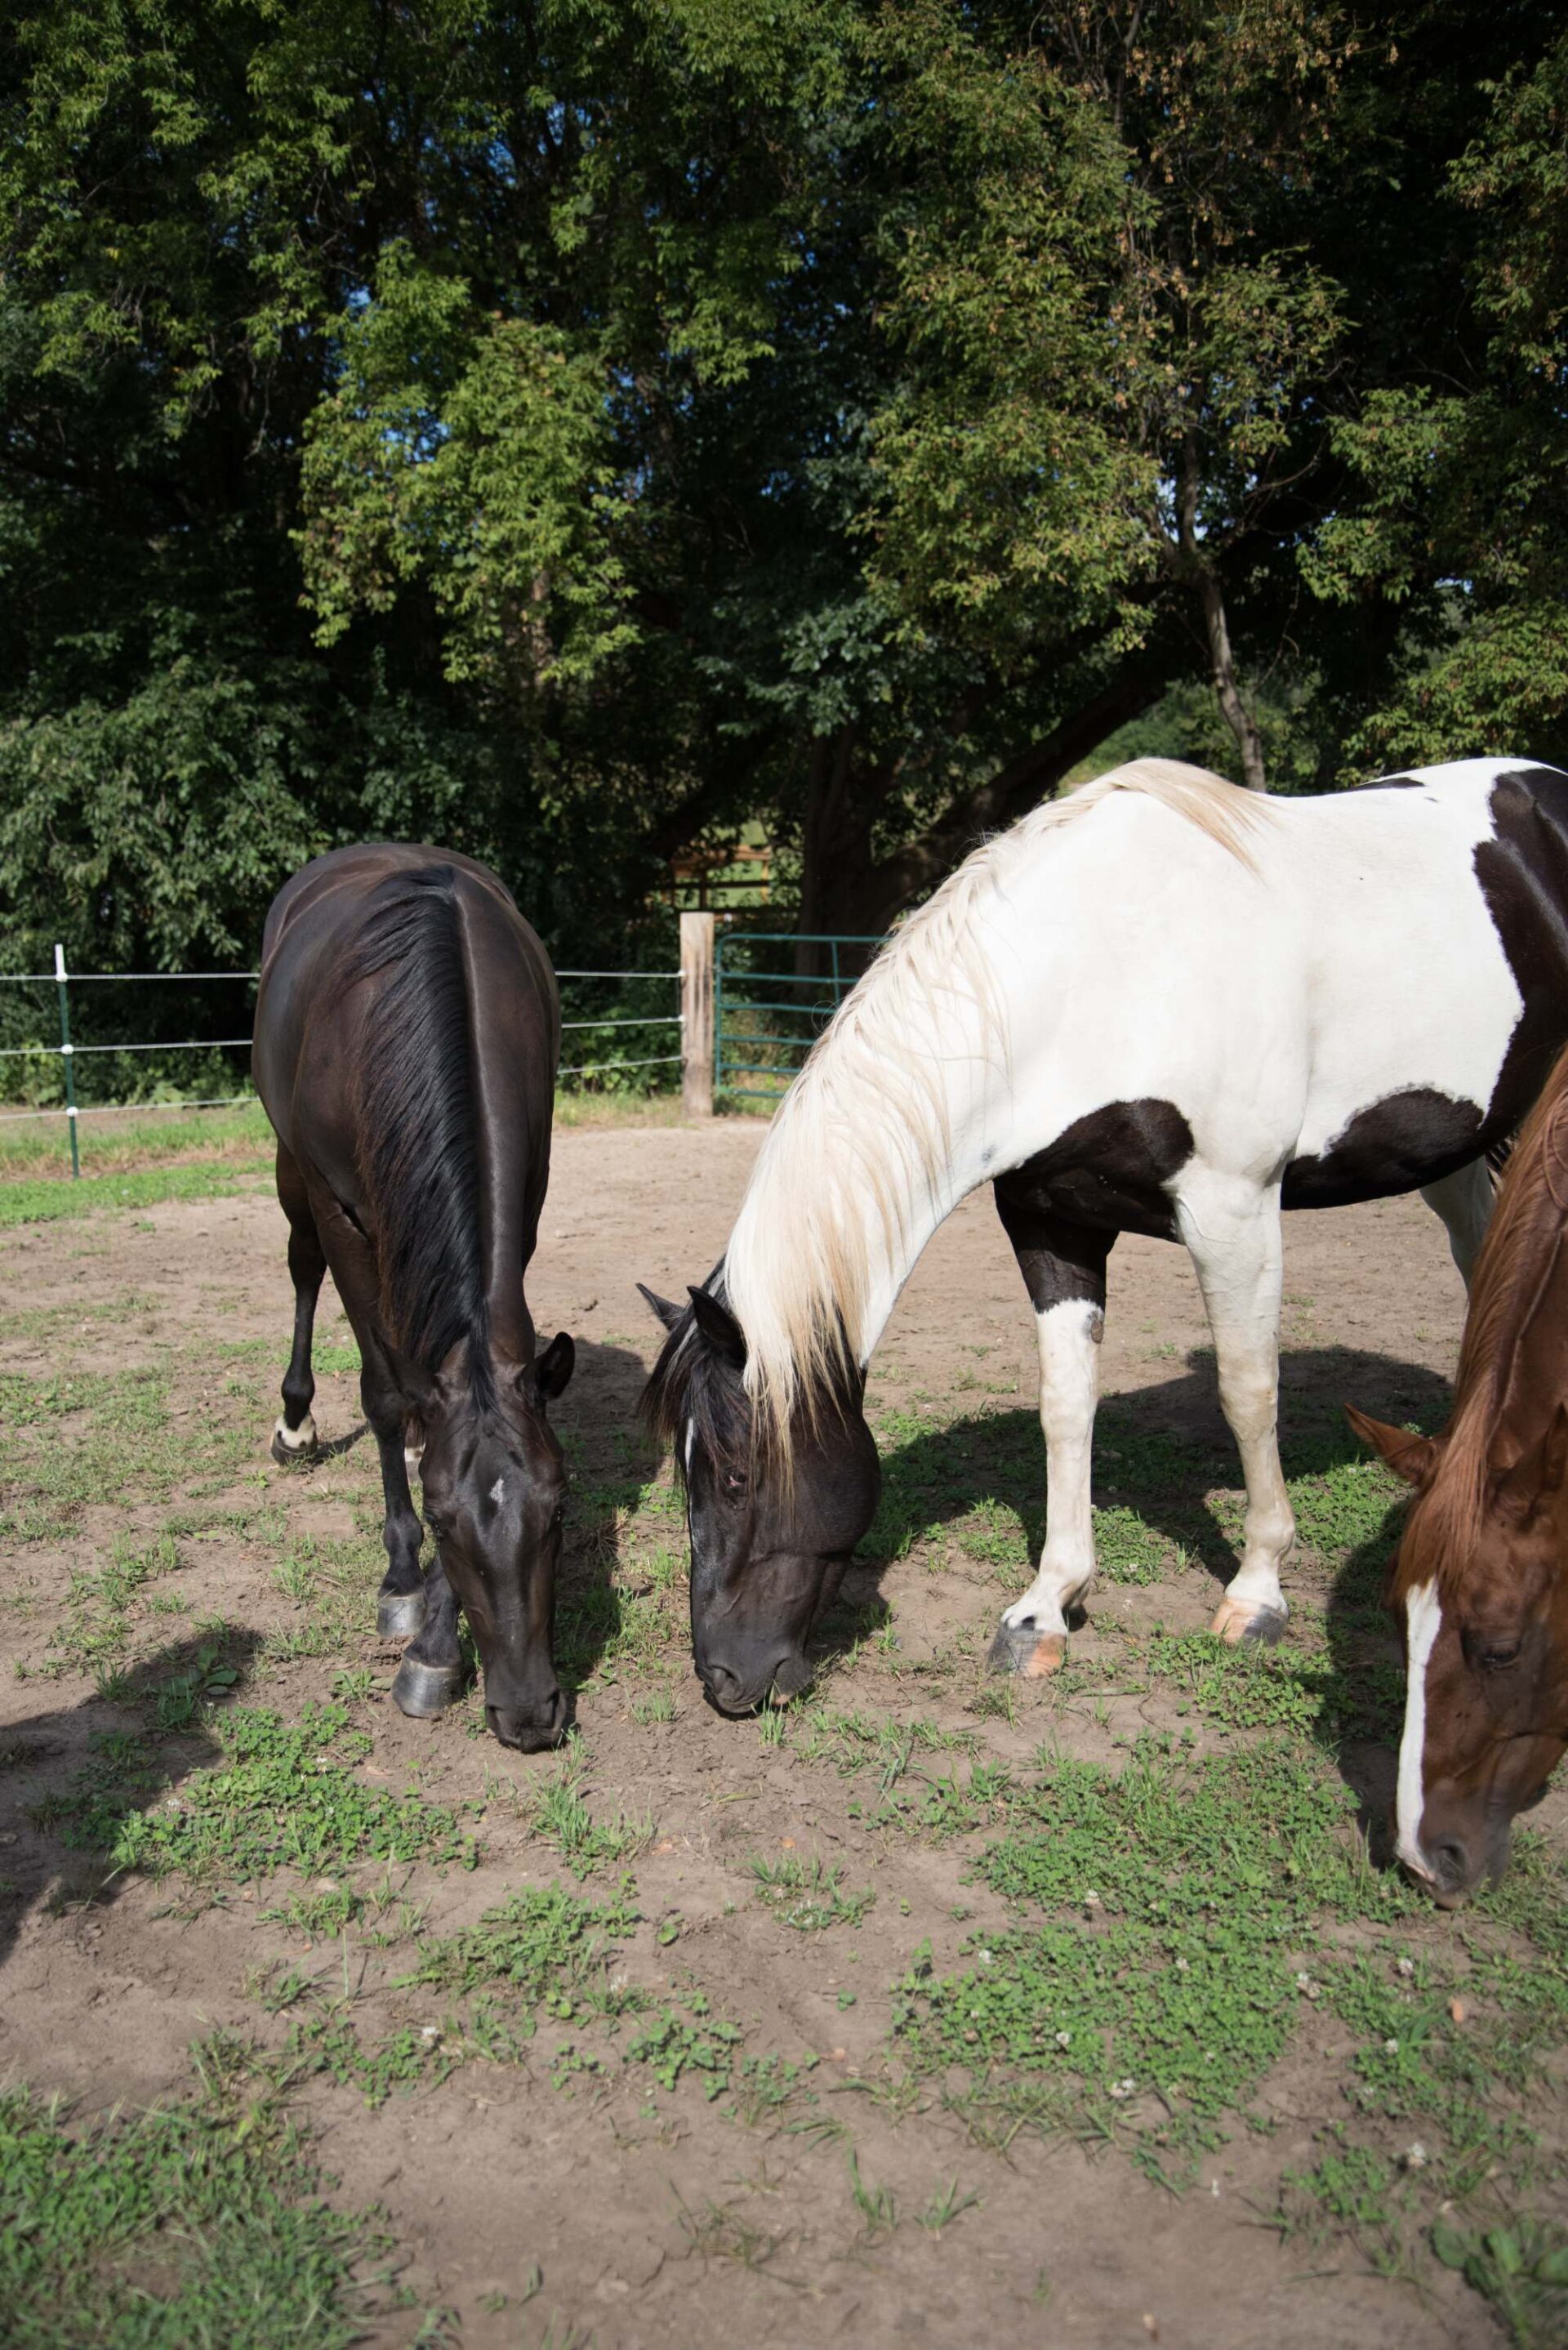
<point x="407" y="1033"/>
<point x="1479" y="1582"/>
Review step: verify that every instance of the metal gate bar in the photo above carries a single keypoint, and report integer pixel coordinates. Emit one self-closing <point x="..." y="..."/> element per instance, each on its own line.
<point x="732" y="1038"/>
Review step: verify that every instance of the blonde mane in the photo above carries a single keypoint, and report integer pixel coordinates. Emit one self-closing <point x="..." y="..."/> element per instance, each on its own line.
<point x="862" y="1139"/>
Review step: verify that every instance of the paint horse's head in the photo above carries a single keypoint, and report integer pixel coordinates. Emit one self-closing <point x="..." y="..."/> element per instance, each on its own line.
<point x="770" y="1532"/>
<point x="493" y="1488"/>
<point x="1480" y="1593"/>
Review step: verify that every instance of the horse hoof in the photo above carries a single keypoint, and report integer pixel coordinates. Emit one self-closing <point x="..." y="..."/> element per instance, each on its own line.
<point x="1034" y="1656"/>
<point x="1238" y="1621"/>
<point x="294" y="1448"/>
<point x="425" y="1690"/>
<point x="399" y="1615"/>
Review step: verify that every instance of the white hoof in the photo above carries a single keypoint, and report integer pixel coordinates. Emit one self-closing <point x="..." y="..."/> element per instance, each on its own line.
<point x="295" y="1440"/>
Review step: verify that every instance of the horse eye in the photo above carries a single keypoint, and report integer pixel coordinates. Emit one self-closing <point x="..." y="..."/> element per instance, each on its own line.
<point x="1494" y="1659"/>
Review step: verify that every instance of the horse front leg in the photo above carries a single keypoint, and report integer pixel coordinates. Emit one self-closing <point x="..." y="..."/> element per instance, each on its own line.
<point x="1064" y="1268"/>
<point x="1232" y="1233"/>
<point x="430" y="1675"/>
<point x="400" y="1604"/>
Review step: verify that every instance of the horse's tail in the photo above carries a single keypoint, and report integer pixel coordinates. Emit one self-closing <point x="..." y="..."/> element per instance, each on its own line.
<point x="417" y="1138"/>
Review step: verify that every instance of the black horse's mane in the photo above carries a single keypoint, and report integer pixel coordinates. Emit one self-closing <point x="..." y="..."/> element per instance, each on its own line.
<point x="418" y="1139"/>
<point x="692" y="1381"/>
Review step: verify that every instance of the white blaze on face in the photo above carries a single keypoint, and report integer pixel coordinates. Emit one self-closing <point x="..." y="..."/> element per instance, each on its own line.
<point x="1423" y="1621"/>
<point x="498" y="1492"/>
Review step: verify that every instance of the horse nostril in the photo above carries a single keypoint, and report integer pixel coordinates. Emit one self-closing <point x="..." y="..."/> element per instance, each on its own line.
<point x="1448" y="1862"/>
<point x="725" y="1689"/>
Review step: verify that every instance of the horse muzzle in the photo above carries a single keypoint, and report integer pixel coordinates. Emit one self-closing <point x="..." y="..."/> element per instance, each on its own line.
<point x="531" y="1728"/>
<point x="741" y="1689"/>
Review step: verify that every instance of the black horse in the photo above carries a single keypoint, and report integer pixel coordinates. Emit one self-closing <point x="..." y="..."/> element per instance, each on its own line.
<point x="407" y="1035"/>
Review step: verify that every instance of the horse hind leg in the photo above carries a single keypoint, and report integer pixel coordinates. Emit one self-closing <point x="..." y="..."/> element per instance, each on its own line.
<point x="1232" y="1233"/>
<point x="1464" y="1201"/>
<point x="1064" y="1270"/>
<point x="294" y="1437"/>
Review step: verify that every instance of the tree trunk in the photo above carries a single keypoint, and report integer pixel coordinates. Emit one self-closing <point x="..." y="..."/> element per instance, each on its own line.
<point x="836" y="852"/>
<point x="1216" y="626"/>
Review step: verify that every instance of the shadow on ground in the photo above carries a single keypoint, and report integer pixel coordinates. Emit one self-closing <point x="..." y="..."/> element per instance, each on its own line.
<point x="131" y="1742"/>
<point x="611" y="1462"/>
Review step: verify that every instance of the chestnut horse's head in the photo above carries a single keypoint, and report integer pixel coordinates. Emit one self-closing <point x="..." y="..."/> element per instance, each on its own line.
<point x="1479" y="1590"/>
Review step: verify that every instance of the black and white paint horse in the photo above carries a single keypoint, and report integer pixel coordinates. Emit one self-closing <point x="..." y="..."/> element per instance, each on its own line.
<point x="407" y="1033"/>
<point x="1162" y="1005"/>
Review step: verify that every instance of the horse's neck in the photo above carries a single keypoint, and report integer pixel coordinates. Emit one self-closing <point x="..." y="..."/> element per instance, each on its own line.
<point x="890" y="1200"/>
<point x="964" y="1168"/>
<point x="1535" y="1378"/>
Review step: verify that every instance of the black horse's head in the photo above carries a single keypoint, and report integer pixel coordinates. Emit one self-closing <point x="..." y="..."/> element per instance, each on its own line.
<point x="773" y="1523"/>
<point x="493" y="1488"/>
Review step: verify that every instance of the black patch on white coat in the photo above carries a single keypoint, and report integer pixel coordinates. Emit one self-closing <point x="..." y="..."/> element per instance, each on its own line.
<point x="1061" y="1262"/>
<point x="1418" y="1135"/>
<point x="1106" y="1173"/>
<point x="1406" y="1139"/>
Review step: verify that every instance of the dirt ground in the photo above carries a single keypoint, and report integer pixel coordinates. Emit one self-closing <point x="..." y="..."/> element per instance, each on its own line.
<point x="528" y="2198"/>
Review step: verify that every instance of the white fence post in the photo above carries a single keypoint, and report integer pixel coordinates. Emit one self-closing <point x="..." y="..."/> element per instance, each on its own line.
<point x="66" y="1057"/>
<point x="697" y="1014"/>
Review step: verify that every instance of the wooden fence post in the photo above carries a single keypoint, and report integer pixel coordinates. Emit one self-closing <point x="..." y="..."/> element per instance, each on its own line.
<point x="697" y="1013"/>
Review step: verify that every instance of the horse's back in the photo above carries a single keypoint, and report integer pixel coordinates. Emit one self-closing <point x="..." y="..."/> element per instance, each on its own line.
<point x="310" y="1005"/>
<point x="1402" y="943"/>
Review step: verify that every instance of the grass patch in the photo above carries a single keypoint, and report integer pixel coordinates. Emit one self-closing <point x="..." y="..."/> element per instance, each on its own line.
<point x="1521" y="2269"/>
<point x="545" y="1956"/>
<point x="806" y="1894"/>
<point x="286" y="1797"/>
<point x="75" y="1436"/>
<point x="43" y="1198"/>
<point x="200" y="2221"/>
<point x="559" y="1813"/>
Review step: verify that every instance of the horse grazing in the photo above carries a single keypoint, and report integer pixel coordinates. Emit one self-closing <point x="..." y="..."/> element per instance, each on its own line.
<point x="407" y="1033"/>
<point x="1161" y="1006"/>
<point x="1479" y="1582"/>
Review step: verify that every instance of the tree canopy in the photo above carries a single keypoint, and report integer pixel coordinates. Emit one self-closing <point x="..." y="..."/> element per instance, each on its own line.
<point x="572" y="430"/>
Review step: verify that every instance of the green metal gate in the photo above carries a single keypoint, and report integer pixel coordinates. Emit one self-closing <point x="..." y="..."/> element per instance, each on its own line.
<point x="766" y="1020"/>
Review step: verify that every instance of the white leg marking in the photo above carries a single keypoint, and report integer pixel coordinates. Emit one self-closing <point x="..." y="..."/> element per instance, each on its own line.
<point x="298" y="1440"/>
<point x="1423" y="1622"/>
<point x="1069" y="1337"/>
<point x="1232" y="1233"/>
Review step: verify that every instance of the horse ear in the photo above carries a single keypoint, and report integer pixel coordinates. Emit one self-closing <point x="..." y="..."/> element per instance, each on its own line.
<point x="663" y="1310"/>
<point x="1414" y="1457"/>
<point x="555" y="1367"/>
<point x="720" y="1327"/>
<point x="1538" y="1473"/>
